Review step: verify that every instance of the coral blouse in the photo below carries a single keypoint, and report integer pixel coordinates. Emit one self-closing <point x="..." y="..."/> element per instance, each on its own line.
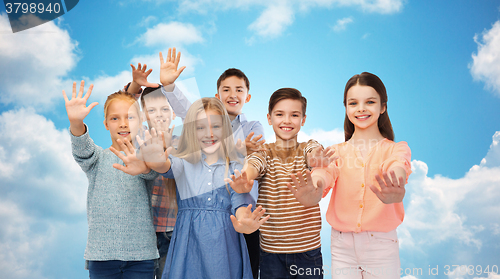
<point x="353" y="206"/>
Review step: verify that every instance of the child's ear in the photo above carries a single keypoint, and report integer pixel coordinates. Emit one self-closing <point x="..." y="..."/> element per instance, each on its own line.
<point x="217" y="96"/>
<point x="384" y="106"/>
<point x="143" y="116"/>
<point x="173" y="115"/>
<point x="248" y="98"/>
<point x="269" y="119"/>
<point x="106" y="124"/>
<point x="303" y="120"/>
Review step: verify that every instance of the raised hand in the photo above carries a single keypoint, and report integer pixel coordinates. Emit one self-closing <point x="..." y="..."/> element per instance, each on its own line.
<point x="248" y="221"/>
<point x="320" y="157"/>
<point x="239" y="182"/>
<point x="77" y="108"/>
<point x="168" y="69"/>
<point x="255" y="144"/>
<point x="133" y="165"/>
<point x="391" y="191"/>
<point x="151" y="150"/>
<point x="306" y="192"/>
<point x="167" y="137"/>
<point x="140" y="75"/>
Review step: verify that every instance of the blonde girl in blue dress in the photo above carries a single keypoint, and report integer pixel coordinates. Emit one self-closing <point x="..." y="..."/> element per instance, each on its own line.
<point x="207" y="241"/>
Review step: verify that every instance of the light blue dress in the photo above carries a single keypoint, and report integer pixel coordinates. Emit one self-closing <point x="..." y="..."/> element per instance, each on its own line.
<point x="204" y="243"/>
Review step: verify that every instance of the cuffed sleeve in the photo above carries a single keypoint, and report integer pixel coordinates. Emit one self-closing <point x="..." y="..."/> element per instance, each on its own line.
<point x="180" y="104"/>
<point x="400" y="157"/>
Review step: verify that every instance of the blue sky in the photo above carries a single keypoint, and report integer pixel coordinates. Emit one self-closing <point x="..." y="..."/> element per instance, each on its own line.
<point x="440" y="62"/>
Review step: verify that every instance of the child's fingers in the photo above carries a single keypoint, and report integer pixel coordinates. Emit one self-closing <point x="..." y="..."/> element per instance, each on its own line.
<point x="401" y="182"/>
<point x="133" y="68"/>
<point x="82" y="86"/>
<point x="161" y="59"/>
<point x="172" y="57"/>
<point x="118" y="154"/>
<point x="91" y="106"/>
<point x="119" y="167"/>
<point x="73" y="95"/>
<point x="148" y="72"/>
<point x="144" y="67"/>
<point x="178" y="73"/>
<point x="249" y="137"/>
<point x="89" y="92"/>
<point x="65" y="97"/>
<point x="377" y="192"/>
<point x="263" y="220"/>
<point x="380" y="181"/>
<point x="167" y="151"/>
<point x="301" y="179"/>
<point x="237" y="173"/>
<point x="387" y="180"/>
<point x="236" y="223"/>
<point x="140" y="142"/>
<point x="130" y="147"/>
<point x="394" y="179"/>
<point x="178" y="58"/>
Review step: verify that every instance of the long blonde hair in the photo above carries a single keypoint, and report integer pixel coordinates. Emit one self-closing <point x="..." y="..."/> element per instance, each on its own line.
<point x="189" y="147"/>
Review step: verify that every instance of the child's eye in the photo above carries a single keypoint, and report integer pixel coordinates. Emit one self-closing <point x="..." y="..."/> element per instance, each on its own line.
<point x="199" y="128"/>
<point x="131" y="117"/>
<point x="279" y="114"/>
<point x="151" y="111"/>
<point x="166" y="110"/>
<point x="352" y="103"/>
<point x="296" y="115"/>
<point x="216" y="126"/>
<point x="113" y="118"/>
<point x="371" y="102"/>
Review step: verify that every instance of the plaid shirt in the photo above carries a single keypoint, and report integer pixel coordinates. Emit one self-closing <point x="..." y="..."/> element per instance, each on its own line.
<point x="163" y="216"/>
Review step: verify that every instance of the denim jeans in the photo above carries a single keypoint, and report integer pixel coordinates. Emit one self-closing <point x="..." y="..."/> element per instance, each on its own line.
<point x="162" y="242"/>
<point x="287" y="266"/>
<point x="121" y="269"/>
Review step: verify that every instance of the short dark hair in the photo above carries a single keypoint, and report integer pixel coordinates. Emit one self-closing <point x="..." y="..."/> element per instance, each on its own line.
<point x="233" y="72"/>
<point x="287" y="93"/>
<point x="154" y="92"/>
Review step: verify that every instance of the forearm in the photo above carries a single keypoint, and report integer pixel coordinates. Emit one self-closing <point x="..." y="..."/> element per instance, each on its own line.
<point x="77" y="128"/>
<point x="251" y="171"/>
<point x="399" y="171"/>
<point x="134" y="88"/>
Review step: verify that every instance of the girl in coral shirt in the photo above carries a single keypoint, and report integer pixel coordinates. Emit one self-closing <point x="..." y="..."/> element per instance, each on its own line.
<point x="364" y="221"/>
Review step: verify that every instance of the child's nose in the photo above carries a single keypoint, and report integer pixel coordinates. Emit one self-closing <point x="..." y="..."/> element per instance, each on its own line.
<point x="124" y="123"/>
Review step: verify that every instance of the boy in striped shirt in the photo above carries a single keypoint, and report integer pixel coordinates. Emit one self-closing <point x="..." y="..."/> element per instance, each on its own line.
<point x="290" y="240"/>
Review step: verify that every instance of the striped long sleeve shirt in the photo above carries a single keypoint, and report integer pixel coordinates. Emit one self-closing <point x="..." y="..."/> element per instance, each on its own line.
<point x="291" y="228"/>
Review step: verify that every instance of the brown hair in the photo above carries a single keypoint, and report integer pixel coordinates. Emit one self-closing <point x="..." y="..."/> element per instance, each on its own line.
<point x="120" y="95"/>
<point x="154" y="92"/>
<point x="232" y="72"/>
<point x="287" y="93"/>
<point x="384" y="123"/>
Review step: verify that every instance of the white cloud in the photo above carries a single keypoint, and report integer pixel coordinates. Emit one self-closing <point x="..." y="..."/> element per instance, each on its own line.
<point x="439" y="209"/>
<point x="34" y="63"/>
<point x="278" y="15"/>
<point x="274" y="20"/>
<point x="486" y="63"/>
<point x="341" y="24"/>
<point x="171" y="34"/>
<point x="43" y="197"/>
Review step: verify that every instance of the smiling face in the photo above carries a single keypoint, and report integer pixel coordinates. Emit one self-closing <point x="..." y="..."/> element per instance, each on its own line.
<point x="158" y="112"/>
<point x="286" y="119"/>
<point x="122" y="121"/>
<point x="363" y="107"/>
<point x="209" y="132"/>
<point x="233" y="93"/>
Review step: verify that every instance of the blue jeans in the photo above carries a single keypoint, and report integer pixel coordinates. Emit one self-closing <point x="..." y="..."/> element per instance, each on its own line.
<point x="121" y="269"/>
<point x="287" y="266"/>
<point x="162" y="242"/>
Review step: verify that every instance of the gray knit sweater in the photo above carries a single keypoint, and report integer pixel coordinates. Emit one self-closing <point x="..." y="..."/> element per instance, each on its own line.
<point x="118" y="206"/>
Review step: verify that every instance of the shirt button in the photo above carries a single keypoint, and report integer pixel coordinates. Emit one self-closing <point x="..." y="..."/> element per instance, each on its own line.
<point x="209" y="170"/>
<point x="360" y="206"/>
<point x="209" y="183"/>
<point x="209" y="199"/>
<point x="362" y="185"/>
<point x="359" y="225"/>
<point x="362" y="165"/>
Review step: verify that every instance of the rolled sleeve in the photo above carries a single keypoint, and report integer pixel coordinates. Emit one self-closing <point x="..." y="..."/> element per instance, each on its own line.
<point x="400" y="157"/>
<point x="180" y="104"/>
